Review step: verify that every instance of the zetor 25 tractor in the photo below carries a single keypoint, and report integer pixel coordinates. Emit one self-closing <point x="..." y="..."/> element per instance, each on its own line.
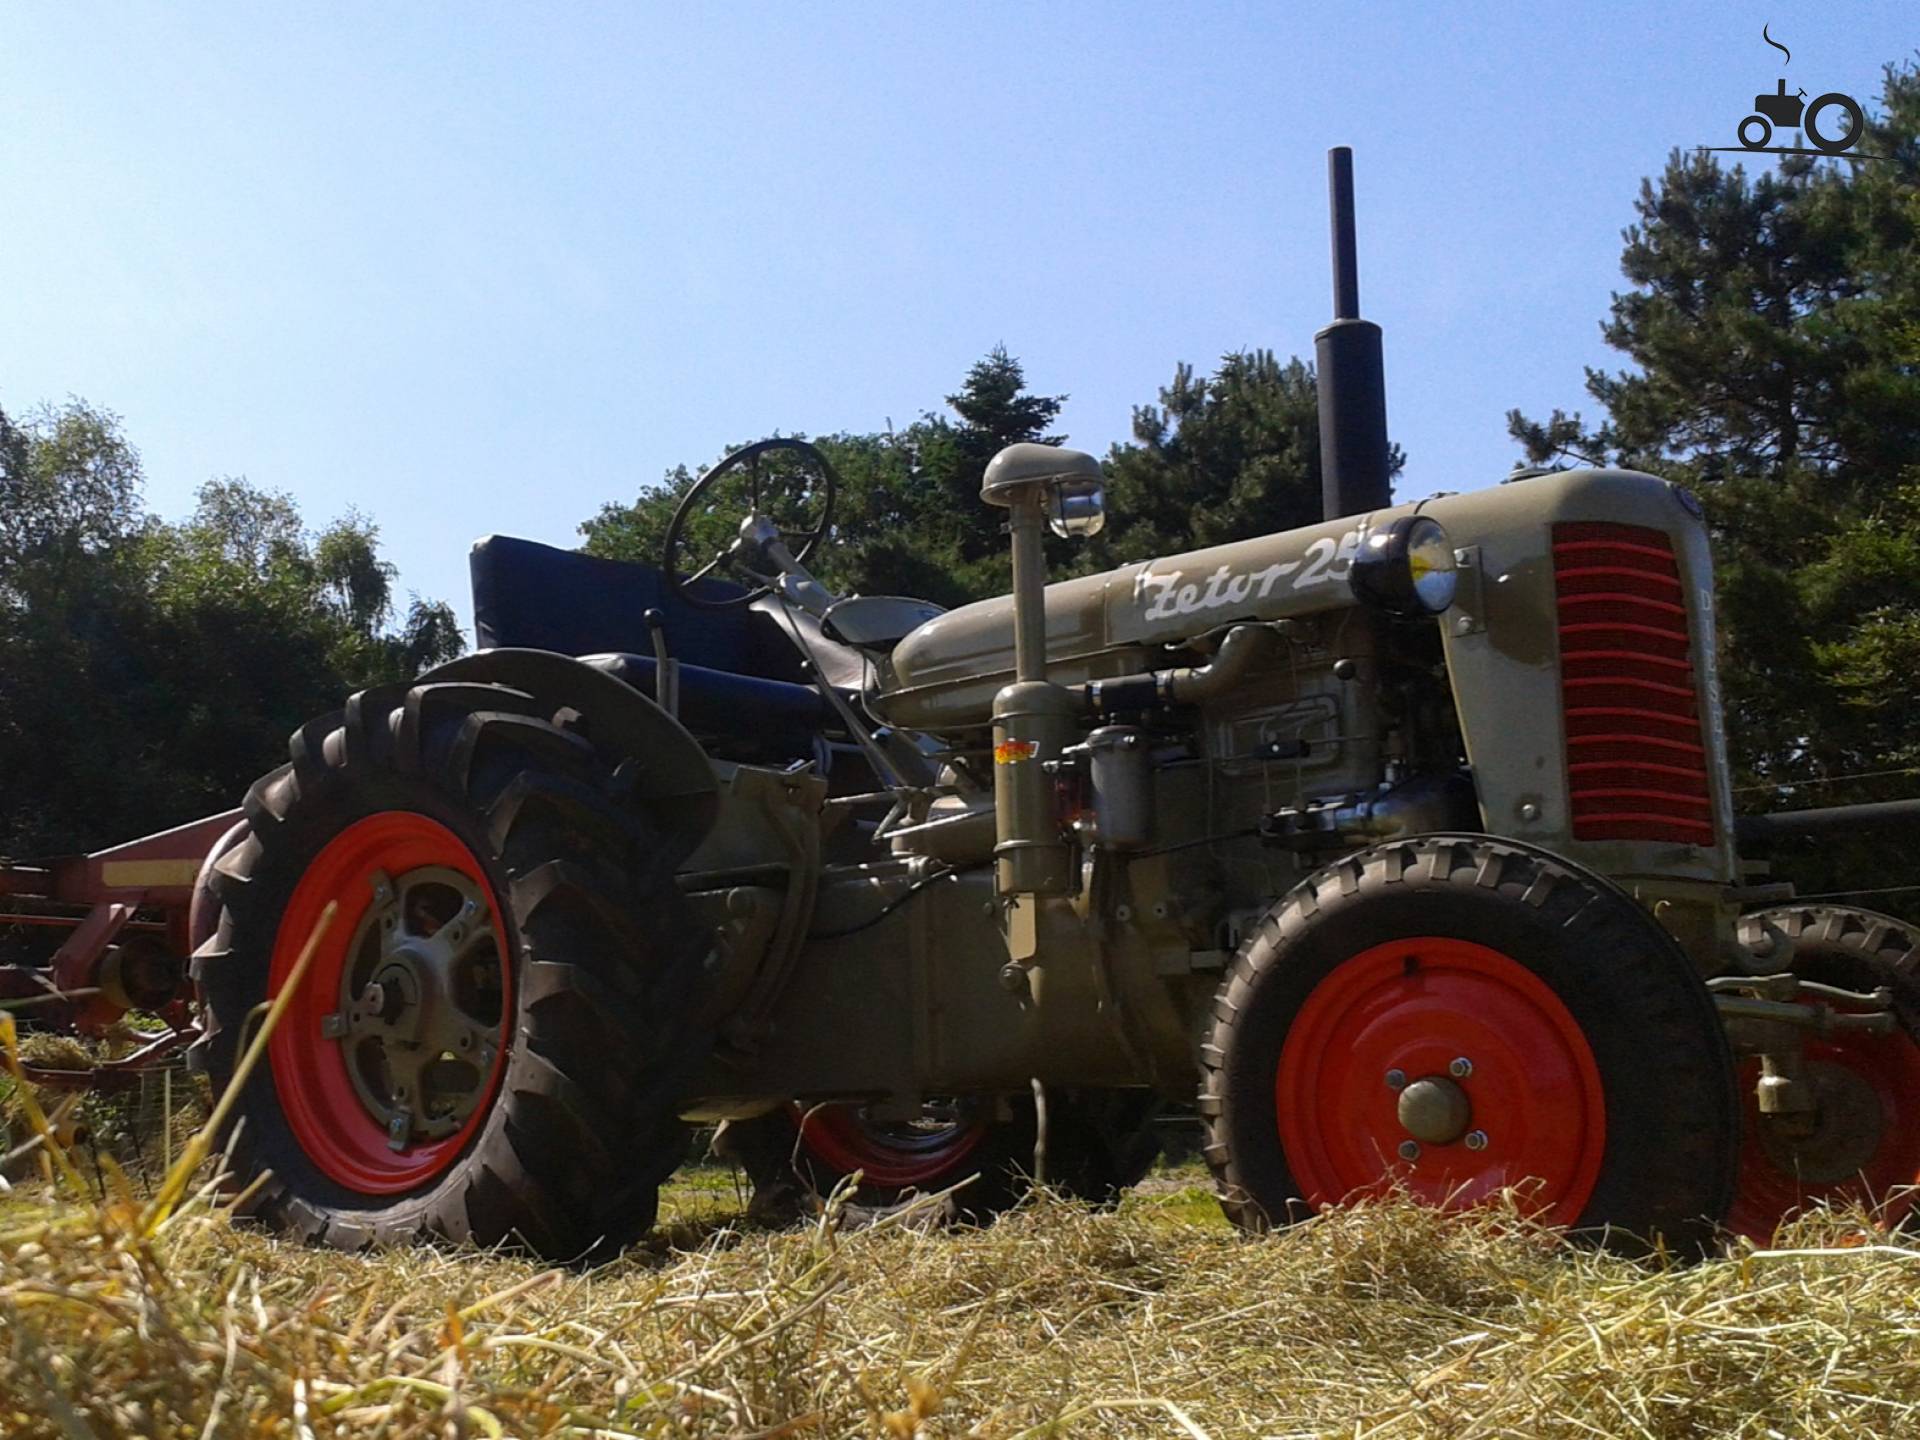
<point x="1399" y="845"/>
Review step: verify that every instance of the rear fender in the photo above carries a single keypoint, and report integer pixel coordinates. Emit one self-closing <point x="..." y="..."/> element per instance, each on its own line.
<point x="673" y="778"/>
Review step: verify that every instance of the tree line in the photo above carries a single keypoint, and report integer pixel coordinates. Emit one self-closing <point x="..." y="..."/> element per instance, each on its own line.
<point x="149" y="670"/>
<point x="1770" y="338"/>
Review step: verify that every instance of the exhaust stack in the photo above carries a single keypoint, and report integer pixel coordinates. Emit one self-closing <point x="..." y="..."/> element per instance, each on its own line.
<point x="1352" y="382"/>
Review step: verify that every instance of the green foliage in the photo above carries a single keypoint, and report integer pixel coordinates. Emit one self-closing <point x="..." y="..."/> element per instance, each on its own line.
<point x="909" y="519"/>
<point x="1773" y="328"/>
<point x="149" y="671"/>
<point x="69" y="487"/>
<point x="1220" y="458"/>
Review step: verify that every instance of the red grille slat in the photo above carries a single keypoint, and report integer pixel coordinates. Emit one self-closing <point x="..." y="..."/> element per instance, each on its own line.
<point x="1599" y="748"/>
<point x="1636" y="752"/>
<point x="1688" y="806"/>
<point x="1685" y="692"/>
<point x="1624" y="721"/>
<point x="1633" y="657"/>
<point x="1662" y="559"/>
<point x="1646" y="605"/>
<point x="1597" y="636"/>
<point x="1638" y="772"/>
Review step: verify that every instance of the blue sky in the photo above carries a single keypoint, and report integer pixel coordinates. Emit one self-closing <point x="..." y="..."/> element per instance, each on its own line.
<point x="476" y="268"/>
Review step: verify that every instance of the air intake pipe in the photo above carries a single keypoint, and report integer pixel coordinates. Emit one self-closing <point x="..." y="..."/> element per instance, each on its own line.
<point x="1351" y="379"/>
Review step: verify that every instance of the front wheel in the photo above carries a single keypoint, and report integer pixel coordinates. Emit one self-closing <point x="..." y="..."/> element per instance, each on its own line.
<point x="1459" y="1016"/>
<point x="489" y="1042"/>
<point x="1862" y="1144"/>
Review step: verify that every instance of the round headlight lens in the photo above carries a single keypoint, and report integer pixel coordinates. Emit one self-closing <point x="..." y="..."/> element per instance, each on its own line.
<point x="1405" y="567"/>
<point x="1430" y="565"/>
<point x="1077" y="508"/>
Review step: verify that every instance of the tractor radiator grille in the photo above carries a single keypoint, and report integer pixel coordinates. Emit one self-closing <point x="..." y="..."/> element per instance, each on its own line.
<point x="1636" y="757"/>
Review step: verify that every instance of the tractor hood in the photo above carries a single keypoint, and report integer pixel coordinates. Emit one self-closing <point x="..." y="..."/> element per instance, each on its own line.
<point x="945" y="673"/>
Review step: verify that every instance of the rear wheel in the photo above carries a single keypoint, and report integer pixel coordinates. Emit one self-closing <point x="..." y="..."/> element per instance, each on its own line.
<point x="1460" y="1015"/>
<point x="490" y="1041"/>
<point x="1098" y="1144"/>
<point x="1863" y="1144"/>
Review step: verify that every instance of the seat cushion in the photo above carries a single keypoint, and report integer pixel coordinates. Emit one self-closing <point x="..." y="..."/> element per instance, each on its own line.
<point x="778" y="718"/>
<point x="544" y="598"/>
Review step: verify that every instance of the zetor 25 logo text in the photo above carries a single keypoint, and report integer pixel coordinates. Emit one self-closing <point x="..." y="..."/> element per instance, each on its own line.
<point x="1326" y="560"/>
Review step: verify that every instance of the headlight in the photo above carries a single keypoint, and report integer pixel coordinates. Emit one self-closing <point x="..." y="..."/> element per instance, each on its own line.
<point x="1077" y="508"/>
<point x="1405" y="567"/>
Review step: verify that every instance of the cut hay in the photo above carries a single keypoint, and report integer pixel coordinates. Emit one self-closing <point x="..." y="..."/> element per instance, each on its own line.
<point x="161" y="1317"/>
<point x="1386" y="1321"/>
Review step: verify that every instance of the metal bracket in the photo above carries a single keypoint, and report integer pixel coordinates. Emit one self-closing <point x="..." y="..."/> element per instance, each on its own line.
<point x="1468" y="615"/>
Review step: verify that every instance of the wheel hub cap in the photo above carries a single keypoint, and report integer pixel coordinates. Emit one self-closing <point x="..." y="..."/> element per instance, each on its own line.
<point x="1845" y="1137"/>
<point x="422" y="999"/>
<point x="1435" y="1110"/>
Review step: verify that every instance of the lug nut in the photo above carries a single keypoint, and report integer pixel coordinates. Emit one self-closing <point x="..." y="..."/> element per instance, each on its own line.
<point x="1460" y="1068"/>
<point x="1409" y="1149"/>
<point x="1396" y="1079"/>
<point x="1476" y="1140"/>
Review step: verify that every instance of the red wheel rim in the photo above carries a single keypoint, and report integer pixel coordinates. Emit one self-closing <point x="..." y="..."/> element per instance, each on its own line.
<point x="1883" y="1067"/>
<point x="890" y="1157"/>
<point x="346" y="1142"/>
<point x="1416" y="1006"/>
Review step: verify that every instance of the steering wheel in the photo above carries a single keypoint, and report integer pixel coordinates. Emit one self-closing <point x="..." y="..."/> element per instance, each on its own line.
<point x="755" y="506"/>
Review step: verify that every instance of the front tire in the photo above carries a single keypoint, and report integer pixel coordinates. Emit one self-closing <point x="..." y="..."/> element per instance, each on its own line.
<point x="490" y="1042"/>
<point x="1864" y="1145"/>
<point x="1457" y="1015"/>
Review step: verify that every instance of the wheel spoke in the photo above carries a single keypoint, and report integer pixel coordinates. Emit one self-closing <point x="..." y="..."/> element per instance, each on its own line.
<point x="476" y="1043"/>
<point x="364" y="1020"/>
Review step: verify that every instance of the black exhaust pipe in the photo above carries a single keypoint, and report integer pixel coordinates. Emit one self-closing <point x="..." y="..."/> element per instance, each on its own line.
<point x="1352" y="381"/>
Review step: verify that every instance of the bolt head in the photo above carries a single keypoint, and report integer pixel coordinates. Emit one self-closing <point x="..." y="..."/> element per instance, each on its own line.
<point x="1396" y="1079"/>
<point x="1476" y="1140"/>
<point x="1463" y="625"/>
<point x="1529" y="811"/>
<point x="1409" y="1149"/>
<point x="1461" y="1068"/>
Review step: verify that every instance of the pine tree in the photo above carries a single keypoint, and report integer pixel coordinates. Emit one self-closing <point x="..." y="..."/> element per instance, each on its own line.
<point x="1773" y="329"/>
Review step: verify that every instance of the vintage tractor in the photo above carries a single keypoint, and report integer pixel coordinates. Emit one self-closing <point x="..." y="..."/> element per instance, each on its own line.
<point x="1400" y="846"/>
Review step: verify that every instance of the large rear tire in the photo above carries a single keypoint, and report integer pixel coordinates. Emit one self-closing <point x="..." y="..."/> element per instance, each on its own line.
<point x="1456" y="1015"/>
<point x="491" y="1041"/>
<point x="1864" y="1146"/>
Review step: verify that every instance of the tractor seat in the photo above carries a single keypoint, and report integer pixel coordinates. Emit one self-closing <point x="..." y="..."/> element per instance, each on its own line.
<point x="741" y="676"/>
<point x="779" y="717"/>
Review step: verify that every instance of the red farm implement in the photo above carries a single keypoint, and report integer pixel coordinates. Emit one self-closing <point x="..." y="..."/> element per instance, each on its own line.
<point x="123" y="919"/>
